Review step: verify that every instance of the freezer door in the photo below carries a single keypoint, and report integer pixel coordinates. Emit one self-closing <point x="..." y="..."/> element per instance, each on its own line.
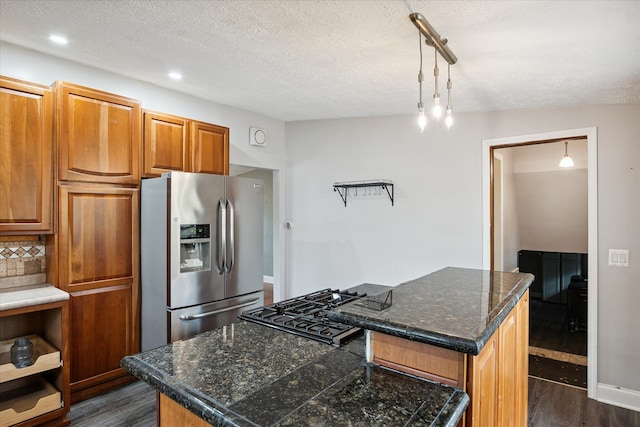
<point x="187" y="322"/>
<point x="245" y="219"/>
<point x="194" y="199"/>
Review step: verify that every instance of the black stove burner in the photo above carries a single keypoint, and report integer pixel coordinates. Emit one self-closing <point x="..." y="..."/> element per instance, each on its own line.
<point x="307" y="316"/>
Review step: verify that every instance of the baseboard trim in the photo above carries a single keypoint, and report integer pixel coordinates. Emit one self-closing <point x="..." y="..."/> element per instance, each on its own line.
<point x="618" y="396"/>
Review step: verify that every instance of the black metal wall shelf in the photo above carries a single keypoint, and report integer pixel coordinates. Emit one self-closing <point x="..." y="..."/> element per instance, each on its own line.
<point x="343" y="187"/>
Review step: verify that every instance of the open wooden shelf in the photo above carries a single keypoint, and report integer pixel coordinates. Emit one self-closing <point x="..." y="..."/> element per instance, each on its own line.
<point x="46" y="357"/>
<point x="27" y="398"/>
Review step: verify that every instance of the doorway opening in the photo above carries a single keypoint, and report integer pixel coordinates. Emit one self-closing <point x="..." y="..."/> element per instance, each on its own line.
<point x="540" y="227"/>
<point x="568" y="256"/>
<point x="266" y="175"/>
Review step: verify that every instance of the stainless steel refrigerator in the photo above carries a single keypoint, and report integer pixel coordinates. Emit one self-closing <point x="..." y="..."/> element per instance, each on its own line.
<point x="201" y="253"/>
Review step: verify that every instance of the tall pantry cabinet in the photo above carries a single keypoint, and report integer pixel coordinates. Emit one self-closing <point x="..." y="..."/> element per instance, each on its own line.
<point x="95" y="254"/>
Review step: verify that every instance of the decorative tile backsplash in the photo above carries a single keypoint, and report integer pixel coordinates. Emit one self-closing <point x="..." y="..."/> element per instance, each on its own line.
<point x="21" y="258"/>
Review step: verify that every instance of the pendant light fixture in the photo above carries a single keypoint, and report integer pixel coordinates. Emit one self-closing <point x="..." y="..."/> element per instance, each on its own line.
<point x="437" y="109"/>
<point x="566" y="161"/>
<point x="449" y="119"/>
<point x="433" y="39"/>
<point x="422" y="119"/>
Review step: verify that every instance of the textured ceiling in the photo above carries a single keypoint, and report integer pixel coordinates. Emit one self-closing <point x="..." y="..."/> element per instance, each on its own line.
<point x="298" y="60"/>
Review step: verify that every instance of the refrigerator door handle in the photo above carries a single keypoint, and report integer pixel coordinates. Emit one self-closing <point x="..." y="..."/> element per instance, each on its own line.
<point x="221" y="237"/>
<point x="222" y="310"/>
<point x="232" y="214"/>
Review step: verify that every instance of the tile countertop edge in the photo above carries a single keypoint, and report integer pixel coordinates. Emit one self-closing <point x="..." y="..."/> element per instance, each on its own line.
<point x="207" y="409"/>
<point x="29" y="296"/>
<point x="459" y="402"/>
<point x="464" y="345"/>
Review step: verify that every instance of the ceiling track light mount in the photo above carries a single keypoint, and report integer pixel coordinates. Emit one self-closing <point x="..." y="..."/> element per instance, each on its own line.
<point x="439" y="44"/>
<point x="432" y="38"/>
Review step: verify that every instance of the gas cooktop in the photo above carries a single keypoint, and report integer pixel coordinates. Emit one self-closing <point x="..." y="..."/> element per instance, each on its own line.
<point x="306" y="315"/>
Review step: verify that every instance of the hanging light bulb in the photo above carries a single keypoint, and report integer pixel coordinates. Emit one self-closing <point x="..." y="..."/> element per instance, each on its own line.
<point x="422" y="119"/>
<point x="437" y="109"/>
<point x="449" y="119"/>
<point x="566" y="161"/>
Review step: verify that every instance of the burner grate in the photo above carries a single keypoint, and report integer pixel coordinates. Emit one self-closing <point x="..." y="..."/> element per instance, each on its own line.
<point x="306" y="315"/>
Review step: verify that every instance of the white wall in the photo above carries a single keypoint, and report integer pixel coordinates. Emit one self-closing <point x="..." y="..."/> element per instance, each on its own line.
<point x="437" y="220"/>
<point x="552" y="210"/>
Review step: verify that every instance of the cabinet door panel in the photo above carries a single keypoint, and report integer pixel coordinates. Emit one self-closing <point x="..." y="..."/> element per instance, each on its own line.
<point x="166" y="144"/>
<point x="483" y="390"/>
<point x="210" y="148"/>
<point x="522" y="356"/>
<point x="101" y="330"/>
<point x="26" y="172"/>
<point x="100" y="245"/>
<point x="508" y="362"/>
<point x="98" y="136"/>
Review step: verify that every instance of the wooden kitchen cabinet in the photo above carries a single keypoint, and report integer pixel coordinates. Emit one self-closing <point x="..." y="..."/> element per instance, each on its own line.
<point x="498" y="375"/>
<point x="173" y="143"/>
<point x="97" y="262"/>
<point x="37" y="394"/>
<point x="98" y="136"/>
<point x="166" y="144"/>
<point x="209" y="148"/>
<point x="26" y="162"/>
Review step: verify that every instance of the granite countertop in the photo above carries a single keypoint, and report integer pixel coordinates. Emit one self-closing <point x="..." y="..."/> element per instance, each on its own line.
<point x="251" y="375"/>
<point x="27" y="296"/>
<point x="454" y="308"/>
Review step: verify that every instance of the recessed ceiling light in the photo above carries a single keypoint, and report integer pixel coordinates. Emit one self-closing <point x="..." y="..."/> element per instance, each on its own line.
<point x="175" y="76"/>
<point x="58" y="39"/>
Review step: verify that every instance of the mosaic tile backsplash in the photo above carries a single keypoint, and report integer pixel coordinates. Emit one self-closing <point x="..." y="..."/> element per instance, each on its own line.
<point x="21" y="258"/>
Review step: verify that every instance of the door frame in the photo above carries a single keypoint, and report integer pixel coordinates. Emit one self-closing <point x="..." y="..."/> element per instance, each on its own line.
<point x="591" y="134"/>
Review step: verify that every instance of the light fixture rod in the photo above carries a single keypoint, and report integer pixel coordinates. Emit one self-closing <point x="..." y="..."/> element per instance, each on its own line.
<point x="432" y="38"/>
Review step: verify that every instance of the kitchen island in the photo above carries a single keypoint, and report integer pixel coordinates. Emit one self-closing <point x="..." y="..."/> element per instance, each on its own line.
<point x="467" y="328"/>
<point x="247" y="374"/>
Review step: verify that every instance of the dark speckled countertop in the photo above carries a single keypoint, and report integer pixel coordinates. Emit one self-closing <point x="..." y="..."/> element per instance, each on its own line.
<point x="251" y="375"/>
<point x="454" y="308"/>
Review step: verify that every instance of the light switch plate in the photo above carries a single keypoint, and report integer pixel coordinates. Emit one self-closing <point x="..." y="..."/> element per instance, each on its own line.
<point x="619" y="257"/>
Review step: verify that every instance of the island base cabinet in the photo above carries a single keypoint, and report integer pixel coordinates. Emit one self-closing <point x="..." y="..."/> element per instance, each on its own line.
<point x="498" y="376"/>
<point x="171" y="414"/>
<point x="496" y="379"/>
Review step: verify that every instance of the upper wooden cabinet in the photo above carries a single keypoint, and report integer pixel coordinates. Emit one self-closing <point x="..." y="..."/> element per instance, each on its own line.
<point x="173" y="143"/>
<point x="209" y="148"/>
<point x="98" y="136"/>
<point x="26" y="166"/>
<point x="166" y="144"/>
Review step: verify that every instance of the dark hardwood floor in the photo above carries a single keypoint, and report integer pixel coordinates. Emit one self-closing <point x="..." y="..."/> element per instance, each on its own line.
<point x="550" y="405"/>
<point x="548" y="328"/>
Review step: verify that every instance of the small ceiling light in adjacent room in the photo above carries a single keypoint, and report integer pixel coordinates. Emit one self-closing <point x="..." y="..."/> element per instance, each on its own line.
<point x="566" y="161"/>
<point x="58" y="39"/>
<point x="439" y="44"/>
<point x="175" y="75"/>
